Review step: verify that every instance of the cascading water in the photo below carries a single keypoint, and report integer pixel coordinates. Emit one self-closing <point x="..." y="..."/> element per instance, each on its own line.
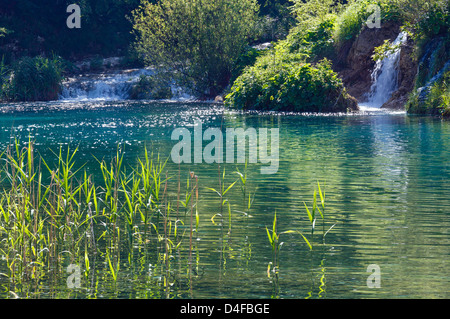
<point x="108" y="86"/>
<point x="385" y="76"/>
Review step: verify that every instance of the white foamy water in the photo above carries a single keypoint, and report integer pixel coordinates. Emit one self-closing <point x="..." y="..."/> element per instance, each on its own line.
<point x="114" y="86"/>
<point x="384" y="77"/>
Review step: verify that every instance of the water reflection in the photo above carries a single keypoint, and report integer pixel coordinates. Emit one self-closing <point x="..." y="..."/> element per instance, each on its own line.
<point x="387" y="184"/>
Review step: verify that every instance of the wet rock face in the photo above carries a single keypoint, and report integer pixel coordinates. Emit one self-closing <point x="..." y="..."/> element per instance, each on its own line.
<point x="355" y="63"/>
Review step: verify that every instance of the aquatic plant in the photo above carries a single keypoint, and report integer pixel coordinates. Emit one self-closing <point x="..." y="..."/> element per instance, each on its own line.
<point x="274" y="239"/>
<point x="54" y="212"/>
<point x="221" y="193"/>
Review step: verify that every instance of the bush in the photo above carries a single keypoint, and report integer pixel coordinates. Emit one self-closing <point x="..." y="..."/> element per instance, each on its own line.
<point x="246" y="59"/>
<point x="274" y="22"/>
<point x="34" y="79"/>
<point x="350" y="20"/>
<point x="353" y="17"/>
<point x="434" y="100"/>
<point x="199" y="40"/>
<point x="315" y="42"/>
<point x="294" y="76"/>
<point x="297" y="87"/>
<point x="435" y="22"/>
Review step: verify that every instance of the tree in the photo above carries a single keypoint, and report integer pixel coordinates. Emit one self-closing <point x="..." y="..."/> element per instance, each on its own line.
<point x="39" y="27"/>
<point x="199" y="40"/>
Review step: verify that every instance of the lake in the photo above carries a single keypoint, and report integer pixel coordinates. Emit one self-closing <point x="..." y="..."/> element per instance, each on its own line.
<point x="386" y="178"/>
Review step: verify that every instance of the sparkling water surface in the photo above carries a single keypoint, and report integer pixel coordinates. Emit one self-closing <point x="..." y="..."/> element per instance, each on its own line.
<point x="386" y="178"/>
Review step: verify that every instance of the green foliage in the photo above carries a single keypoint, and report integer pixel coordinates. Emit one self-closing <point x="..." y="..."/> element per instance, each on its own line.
<point x="294" y="76"/>
<point x="34" y="79"/>
<point x="3" y="32"/>
<point x="352" y="17"/>
<point x="315" y="42"/>
<point x="435" y="100"/>
<point x="40" y="26"/>
<point x="288" y="86"/>
<point x="436" y="21"/>
<point x="275" y="20"/>
<point x="151" y="87"/>
<point x="425" y="17"/>
<point x="198" y="39"/>
<point x="313" y="12"/>
<point x="247" y="58"/>
<point x="384" y="50"/>
<point x="349" y="22"/>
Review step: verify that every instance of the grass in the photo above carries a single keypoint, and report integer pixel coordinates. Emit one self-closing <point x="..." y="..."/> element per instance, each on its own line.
<point x="53" y="214"/>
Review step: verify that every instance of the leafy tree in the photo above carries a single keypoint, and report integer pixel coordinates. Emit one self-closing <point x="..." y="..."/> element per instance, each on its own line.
<point x="200" y="40"/>
<point x="39" y="27"/>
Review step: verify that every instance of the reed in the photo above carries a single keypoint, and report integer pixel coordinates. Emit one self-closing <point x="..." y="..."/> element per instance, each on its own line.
<point x="53" y="211"/>
<point x="274" y="240"/>
<point x="223" y="201"/>
<point x="311" y="213"/>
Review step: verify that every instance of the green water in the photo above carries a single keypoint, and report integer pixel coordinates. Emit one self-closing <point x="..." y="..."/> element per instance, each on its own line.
<point x="386" y="178"/>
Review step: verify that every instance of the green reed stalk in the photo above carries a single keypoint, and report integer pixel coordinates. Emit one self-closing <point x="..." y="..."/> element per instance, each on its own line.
<point x="275" y="243"/>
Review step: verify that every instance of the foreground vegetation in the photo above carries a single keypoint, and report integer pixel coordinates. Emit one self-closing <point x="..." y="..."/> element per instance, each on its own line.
<point x="53" y="214"/>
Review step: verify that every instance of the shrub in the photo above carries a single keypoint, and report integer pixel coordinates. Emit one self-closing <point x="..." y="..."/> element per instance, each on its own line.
<point x="434" y="101"/>
<point x="199" y="40"/>
<point x="353" y="17"/>
<point x="246" y="59"/>
<point x="434" y="23"/>
<point x="34" y="79"/>
<point x="315" y="42"/>
<point x="297" y="87"/>
<point x="349" y="22"/>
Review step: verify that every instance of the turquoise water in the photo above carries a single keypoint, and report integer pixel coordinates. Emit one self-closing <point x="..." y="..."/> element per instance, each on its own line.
<point x="386" y="178"/>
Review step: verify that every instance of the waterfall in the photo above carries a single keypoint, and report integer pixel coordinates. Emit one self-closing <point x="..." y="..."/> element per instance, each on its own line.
<point x="385" y="76"/>
<point x="108" y="86"/>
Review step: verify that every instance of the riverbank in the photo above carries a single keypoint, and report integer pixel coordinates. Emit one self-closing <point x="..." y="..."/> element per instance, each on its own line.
<point x="416" y="68"/>
<point x="327" y="63"/>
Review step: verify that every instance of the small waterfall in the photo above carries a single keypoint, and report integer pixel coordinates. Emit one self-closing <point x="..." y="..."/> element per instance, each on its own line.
<point x="108" y="86"/>
<point x="385" y="76"/>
